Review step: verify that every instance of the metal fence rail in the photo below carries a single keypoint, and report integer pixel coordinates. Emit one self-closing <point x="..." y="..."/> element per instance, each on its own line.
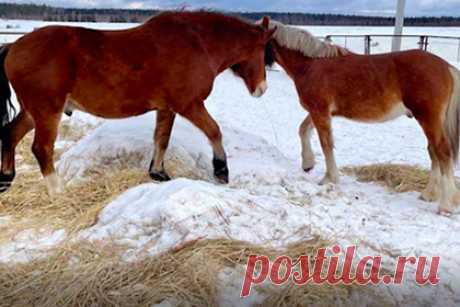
<point x="447" y="47"/>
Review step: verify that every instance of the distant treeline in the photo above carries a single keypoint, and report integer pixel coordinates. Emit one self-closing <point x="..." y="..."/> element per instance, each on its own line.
<point x="48" y="13"/>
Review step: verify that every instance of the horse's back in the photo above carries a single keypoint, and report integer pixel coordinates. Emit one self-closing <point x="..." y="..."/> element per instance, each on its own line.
<point x="377" y="87"/>
<point x="133" y="67"/>
<point x="380" y="70"/>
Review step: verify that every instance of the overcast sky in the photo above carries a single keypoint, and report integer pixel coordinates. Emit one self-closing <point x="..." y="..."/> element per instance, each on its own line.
<point x="363" y="7"/>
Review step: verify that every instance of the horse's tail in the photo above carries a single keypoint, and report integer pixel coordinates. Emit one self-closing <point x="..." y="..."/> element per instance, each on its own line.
<point x="6" y="106"/>
<point x="452" y="121"/>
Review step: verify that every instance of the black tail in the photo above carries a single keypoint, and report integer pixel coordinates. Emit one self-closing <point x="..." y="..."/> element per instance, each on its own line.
<point x="6" y="107"/>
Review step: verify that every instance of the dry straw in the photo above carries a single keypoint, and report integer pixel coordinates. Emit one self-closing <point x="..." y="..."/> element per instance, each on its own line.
<point x="399" y="178"/>
<point x="91" y="275"/>
<point x="29" y="206"/>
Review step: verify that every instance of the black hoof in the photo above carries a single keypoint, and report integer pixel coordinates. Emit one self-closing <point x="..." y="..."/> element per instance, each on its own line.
<point x="5" y="182"/>
<point x="4" y="186"/>
<point x="220" y="170"/>
<point x="307" y="170"/>
<point x="160" y="176"/>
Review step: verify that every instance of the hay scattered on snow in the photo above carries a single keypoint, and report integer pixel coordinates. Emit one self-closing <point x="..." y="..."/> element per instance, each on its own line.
<point x="399" y="178"/>
<point x="29" y="206"/>
<point x="91" y="275"/>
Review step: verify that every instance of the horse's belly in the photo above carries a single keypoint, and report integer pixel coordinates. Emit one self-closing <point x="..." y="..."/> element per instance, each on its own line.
<point x="109" y="108"/>
<point x="373" y="113"/>
<point x="394" y="112"/>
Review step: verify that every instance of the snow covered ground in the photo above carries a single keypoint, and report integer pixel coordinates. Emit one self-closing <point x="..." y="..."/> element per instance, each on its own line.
<point x="270" y="200"/>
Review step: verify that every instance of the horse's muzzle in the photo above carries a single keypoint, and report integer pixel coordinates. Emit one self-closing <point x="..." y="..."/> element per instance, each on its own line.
<point x="260" y="90"/>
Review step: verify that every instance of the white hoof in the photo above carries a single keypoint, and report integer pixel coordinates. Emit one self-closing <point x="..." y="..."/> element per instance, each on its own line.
<point x="430" y="194"/>
<point x="308" y="160"/>
<point x="445" y="212"/>
<point x="447" y="209"/>
<point x="328" y="179"/>
<point x="53" y="185"/>
<point x="308" y="165"/>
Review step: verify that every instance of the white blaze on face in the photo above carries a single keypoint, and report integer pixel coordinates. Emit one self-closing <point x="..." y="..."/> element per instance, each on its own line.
<point x="261" y="89"/>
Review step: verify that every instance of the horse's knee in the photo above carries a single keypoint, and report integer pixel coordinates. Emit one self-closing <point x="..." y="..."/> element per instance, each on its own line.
<point x="44" y="156"/>
<point x="38" y="151"/>
<point x="302" y="130"/>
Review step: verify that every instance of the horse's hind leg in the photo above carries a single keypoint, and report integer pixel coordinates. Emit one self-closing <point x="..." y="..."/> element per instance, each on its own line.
<point x="450" y="196"/>
<point x="431" y="192"/>
<point x="200" y="117"/>
<point x="165" y="122"/>
<point x="14" y="133"/>
<point x="438" y="142"/>
<point x="305" y="131"/>
<point x="46" y="129"/>
<point x="323" y="126"/>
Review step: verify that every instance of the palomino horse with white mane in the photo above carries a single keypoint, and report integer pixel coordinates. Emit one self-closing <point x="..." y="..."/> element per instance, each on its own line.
<point x="331" y="81"/>
<point x="167" y="64"/>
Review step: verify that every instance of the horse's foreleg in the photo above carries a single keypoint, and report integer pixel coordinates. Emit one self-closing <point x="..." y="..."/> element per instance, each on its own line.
<point x="323" y="126"/>
<point x="431" y="192"/>
<point x="46" y="130"/>
<point x="165" y="122"/>
<point x="14" y="133"/>
<point x="200" y="117"/>
<point x="305" y="131"/>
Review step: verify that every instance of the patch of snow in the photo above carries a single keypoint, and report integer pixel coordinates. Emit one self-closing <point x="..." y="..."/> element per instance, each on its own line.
<point x="229" y="294"/>
<point x="29" y="245"/>
<point x="160" y="217"/>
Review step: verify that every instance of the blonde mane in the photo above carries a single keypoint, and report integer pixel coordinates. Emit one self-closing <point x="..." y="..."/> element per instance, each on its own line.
<point x="304" y="42"/>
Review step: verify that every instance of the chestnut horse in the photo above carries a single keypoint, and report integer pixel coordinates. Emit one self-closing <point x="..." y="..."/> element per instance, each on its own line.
<point x="167" y="64"/>
<point x="331" y="81"/>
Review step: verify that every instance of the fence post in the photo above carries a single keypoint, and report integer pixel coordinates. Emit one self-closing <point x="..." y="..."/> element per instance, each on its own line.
<point x="367" y="44"/>
<point x="458" y="51"/>
<point x="423" y="42"/>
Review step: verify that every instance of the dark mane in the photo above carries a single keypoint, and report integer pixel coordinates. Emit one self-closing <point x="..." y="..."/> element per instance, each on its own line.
<point x="269" y="55"/>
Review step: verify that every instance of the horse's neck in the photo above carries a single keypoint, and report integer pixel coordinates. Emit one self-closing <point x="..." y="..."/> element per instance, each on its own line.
<point x="226" y="41"/>
<point x="229" y="47"/>
<point x="292" y="61"/>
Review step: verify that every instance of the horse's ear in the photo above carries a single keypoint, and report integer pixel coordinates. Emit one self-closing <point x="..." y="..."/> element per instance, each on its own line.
<point x="266" y="22"/>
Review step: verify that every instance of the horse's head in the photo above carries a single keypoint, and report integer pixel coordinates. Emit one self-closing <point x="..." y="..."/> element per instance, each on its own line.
<point x="252" y="69"/>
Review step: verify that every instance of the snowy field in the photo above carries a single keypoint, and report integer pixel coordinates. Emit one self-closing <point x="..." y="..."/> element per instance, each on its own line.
<point x="270" y="200"/>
